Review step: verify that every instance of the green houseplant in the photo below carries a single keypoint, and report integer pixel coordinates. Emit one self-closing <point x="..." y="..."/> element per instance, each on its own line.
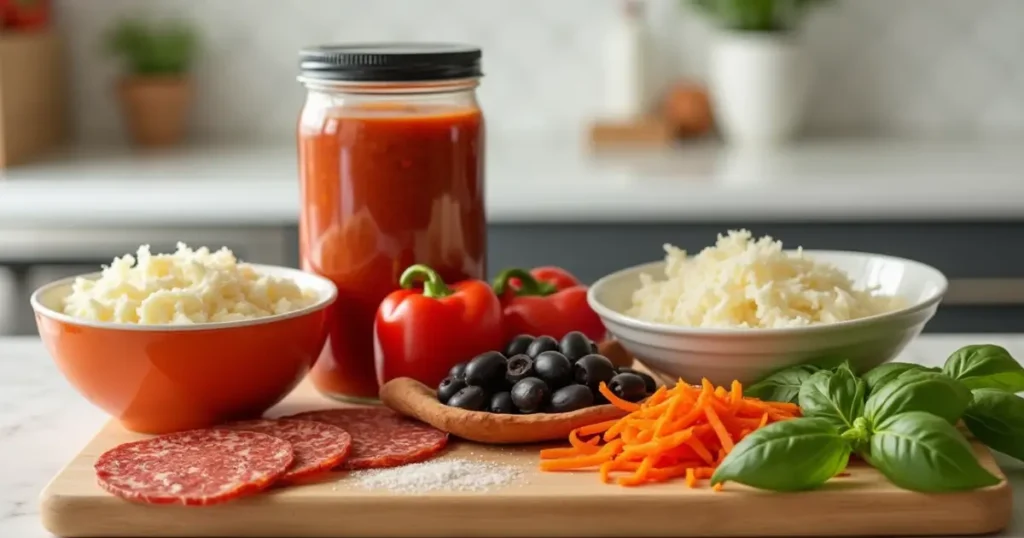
<point x="156" y="88"/>
<point x="759" y="75"/>
<point x="756" y="15"/>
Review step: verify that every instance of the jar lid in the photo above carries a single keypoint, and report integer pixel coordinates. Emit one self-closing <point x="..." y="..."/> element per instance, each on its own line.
<point x="387" y="62"/>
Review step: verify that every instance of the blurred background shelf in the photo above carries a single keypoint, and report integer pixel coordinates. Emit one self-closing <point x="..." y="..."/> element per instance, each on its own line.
<point x="551" y="202"/>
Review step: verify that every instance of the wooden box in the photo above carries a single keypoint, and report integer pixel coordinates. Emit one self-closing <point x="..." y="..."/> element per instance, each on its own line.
<point x="33" y="104"/>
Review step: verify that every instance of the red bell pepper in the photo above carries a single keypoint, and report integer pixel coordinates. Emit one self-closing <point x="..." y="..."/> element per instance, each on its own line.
<point x="546" y="301"/>
<point x="423" y="333"/>
<point x="549" y="276"/>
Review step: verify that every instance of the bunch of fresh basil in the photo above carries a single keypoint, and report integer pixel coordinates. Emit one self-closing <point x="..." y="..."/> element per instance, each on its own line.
<point x="899" y="417"/>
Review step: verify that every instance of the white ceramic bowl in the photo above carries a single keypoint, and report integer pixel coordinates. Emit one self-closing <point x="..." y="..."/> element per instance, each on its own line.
<point x="747" y="355"/>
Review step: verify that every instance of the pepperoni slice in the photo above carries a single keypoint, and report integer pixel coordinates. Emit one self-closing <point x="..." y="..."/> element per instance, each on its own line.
<point x="381" y="437"/>
<point x="318" y="446"/>
<point x="195" y="468"/>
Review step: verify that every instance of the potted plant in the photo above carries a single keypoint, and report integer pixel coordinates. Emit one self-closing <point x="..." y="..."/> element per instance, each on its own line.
<point x="156" y="90"/>
<point x="759" y="75"/>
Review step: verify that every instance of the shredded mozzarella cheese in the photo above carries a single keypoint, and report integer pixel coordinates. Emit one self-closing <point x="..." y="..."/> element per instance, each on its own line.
<point x="183" y="288"/>
<point x="747" y="283"/>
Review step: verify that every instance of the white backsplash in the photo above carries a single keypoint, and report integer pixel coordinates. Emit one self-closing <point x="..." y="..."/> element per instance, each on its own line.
<point x="909" y="67"/>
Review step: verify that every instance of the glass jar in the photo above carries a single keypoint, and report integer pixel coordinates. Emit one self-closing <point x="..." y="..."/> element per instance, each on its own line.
<point x="391" y="166"/>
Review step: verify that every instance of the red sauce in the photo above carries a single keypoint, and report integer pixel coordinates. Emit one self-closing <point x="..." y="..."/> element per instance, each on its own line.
<point x="382" y="189"/>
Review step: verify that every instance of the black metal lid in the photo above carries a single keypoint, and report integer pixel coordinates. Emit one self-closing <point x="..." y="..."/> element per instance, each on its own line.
<point x="386" y="62"/>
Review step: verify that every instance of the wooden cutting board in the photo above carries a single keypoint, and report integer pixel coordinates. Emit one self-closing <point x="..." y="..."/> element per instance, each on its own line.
<point x="537" y="505"/>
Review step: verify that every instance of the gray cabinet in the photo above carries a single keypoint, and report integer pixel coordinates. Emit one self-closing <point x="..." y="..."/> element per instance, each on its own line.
<point x="982" y="260"/>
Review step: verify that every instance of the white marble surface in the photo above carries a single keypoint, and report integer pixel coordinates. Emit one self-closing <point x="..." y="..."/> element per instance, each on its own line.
<point x="552" y="179"/>
<point x="43" y="423"/>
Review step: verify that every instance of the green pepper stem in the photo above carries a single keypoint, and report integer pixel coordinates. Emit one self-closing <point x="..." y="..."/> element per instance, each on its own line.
<point x="433" y="284"/>
<point x="528" y="285"/>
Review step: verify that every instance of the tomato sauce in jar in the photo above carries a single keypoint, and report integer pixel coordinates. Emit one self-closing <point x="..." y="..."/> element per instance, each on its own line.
<point x="391" y="166"/>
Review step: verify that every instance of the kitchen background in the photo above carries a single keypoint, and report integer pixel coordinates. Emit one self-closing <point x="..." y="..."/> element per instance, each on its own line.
<point x="895" y="67"/>
<point x="910" y="146"/>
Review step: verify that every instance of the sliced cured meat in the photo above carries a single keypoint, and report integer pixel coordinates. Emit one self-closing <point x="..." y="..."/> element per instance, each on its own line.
<point x="318" y="446"/>
<point x="196" y="468"/>
<point x="381" y="437"/>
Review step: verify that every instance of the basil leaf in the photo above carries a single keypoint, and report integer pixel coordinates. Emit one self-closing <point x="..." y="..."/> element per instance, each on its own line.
<point x="837" y="396"/>
<point x="922" y="452"/>
<point x="883" y="374"/>
<point x="930" y="392"/>
<point x="996" y="418"/>
<point x="791" y="455"/>
<point x="828" y="362"/>
<point x="986" y="367"/>
<point x="782" y="386"/>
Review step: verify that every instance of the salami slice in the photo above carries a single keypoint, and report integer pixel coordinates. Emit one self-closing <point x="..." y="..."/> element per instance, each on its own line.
<point x="318" y="446"/>
<point x="381" y="437"/>
<point x="195" y="468"/>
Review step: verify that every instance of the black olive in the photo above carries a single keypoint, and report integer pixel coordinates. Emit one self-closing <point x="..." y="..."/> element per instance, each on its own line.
<point x="486" y="370"/>
<point x="519" y="368"/>
<point x="540" y="345"/>
<point x="592" y="370"/>
<point x="571" y="398"/>
<point x="471" y="398"/>
<point x="575" y="345"/>
<point x="501" y="402"/>
<point x="458" y="371"/>
<point x="553" y="368"/>
<point x="629" y="387"/>
<point x="518" y="345"/>
<point x="649" y="383"/>
<point x="530" y="395"/>
<point x="593" y="348"/>
<point x="448" y="387"/>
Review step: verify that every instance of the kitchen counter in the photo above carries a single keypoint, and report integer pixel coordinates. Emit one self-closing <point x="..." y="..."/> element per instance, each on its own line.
<point x="548" y="180"/>
<point x="43" y="423"/>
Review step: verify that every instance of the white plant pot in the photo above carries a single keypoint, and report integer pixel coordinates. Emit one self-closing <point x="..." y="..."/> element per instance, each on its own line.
<point x="759" y="84"/>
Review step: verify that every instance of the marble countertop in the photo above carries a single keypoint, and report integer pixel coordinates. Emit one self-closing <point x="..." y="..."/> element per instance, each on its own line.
<point x="43" y="423"/>
<point x="548" y="180"/>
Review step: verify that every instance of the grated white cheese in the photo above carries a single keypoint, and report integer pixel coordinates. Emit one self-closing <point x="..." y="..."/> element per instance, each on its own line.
<point x="438" y="475"/>
<point x="752" y="284"/>
<point x="183" y="288"/>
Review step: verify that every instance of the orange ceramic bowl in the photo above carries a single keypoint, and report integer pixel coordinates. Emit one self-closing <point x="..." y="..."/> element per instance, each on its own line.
<point x="164" y="378"/>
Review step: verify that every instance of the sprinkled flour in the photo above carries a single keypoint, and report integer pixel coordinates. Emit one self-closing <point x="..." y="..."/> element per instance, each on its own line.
<point x="445" y="474"/>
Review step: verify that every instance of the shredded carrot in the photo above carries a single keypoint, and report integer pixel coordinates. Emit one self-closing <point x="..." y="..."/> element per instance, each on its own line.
<point x="704" y="472"/>
<point x="720" y="430"/>
<point x="574" y="462"/>
<point x="582" y="447"/>
<point x="557" y="453"/>
<point x="680" y="432"/>
<point x="736" y="394"/>
<point x="595" y="429"/>
<point x="640" y="476"/>
<point x="615" y="400"/>
<point x="658" y="395"/>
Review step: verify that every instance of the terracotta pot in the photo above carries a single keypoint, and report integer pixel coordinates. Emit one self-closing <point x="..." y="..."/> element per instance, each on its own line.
<point x="156" y="108"/>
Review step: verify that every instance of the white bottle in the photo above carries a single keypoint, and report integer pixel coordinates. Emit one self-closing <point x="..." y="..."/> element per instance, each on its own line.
<point x="626" y="94"/>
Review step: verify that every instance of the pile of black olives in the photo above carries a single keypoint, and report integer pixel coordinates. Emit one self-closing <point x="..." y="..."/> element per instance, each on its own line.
<point x="540" y="375"/>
